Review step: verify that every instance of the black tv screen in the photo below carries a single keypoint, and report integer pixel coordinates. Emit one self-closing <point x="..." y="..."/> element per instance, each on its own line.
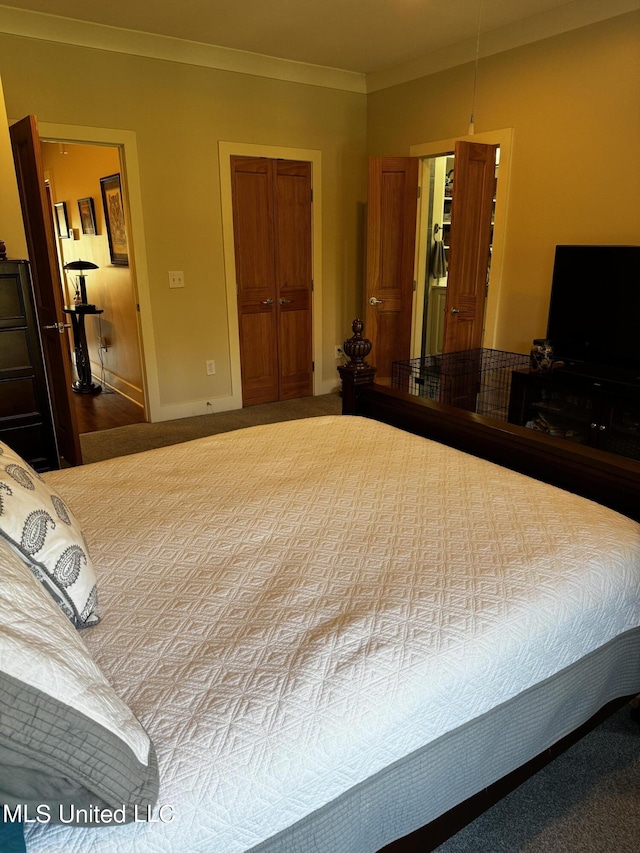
<point x="594" y="314"/>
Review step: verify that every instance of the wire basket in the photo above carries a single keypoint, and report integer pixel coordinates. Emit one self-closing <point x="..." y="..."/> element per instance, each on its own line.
<point x="478" y="380"/>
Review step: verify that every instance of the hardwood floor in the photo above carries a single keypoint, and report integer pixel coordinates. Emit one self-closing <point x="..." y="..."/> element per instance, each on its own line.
<point x="105" y="411"/>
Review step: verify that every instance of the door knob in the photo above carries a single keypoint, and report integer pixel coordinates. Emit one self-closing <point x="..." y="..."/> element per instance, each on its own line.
<point x="60" y="327"/>
<point x="455" y="311"/>
<point x="268" y="301"/>
<point x="284" y="301"/>
<point x="374" y="301"/>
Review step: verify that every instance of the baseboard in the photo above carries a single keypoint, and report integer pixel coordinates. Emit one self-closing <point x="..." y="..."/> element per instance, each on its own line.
<point x="198" y="407"/>
<point x="219" y="404"/>
<point x="117" y="383"/>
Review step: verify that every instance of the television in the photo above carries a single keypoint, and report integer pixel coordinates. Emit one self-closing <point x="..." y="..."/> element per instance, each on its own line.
<point x="594" y="313"/>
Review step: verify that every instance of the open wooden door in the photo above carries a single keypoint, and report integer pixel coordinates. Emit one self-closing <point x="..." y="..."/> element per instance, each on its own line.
<point x="47" y="285"/>
<point x="391" y="234"/>
<point x="470" y="241"/>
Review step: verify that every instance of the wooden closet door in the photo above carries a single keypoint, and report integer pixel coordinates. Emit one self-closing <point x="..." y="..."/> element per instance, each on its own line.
<point x="272" y="236"/>
<point x="252" y="187"/>
<point x="292" y="217"/>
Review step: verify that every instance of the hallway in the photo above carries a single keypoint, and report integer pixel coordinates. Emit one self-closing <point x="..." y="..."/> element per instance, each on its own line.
<point x="105" y="411"/>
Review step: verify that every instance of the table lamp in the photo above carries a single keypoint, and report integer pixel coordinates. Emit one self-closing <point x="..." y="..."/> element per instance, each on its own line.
<point x="81" y="284"/>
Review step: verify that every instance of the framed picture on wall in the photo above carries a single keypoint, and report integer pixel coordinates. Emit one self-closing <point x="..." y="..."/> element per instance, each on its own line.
<point x="62" y="221"/>
<point x="87" y="216"/>
<point x="114" y="219"/>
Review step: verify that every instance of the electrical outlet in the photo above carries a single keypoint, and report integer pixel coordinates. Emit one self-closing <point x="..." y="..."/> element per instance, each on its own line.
<point x="339" y="352"/>
<point x="211" y="367"/>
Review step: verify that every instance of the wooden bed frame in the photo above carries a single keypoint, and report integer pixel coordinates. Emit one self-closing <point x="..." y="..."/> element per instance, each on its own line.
<point x="611" y="480"/>
<point x="606" y="478"/>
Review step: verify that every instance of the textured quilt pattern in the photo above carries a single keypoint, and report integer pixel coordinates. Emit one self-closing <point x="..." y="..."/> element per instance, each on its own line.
<point x="289" y="608"/>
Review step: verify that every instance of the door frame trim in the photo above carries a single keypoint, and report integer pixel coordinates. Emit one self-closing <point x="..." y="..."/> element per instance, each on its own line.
<point x="245" y="149"/>
<point x="126" y="142"/>
<point x="504" y="139"/>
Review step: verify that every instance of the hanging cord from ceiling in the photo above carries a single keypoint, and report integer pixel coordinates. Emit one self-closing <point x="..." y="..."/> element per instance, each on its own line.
<point x="472" y="119"/>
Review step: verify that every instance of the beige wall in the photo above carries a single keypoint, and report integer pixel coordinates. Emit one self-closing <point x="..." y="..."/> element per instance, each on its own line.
<point x="179" y="113"/>
<point x="573" y="102"/>
<point x="74" y="172"/>
<point x="11" y="228"/>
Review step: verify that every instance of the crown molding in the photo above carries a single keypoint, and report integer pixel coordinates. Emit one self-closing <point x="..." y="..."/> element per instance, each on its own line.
<point x="570" y="16"/>
<point x="54" y="28"/>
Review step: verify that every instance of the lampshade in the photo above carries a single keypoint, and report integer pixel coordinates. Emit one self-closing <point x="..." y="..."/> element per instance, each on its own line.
<point x="80" y="265"/>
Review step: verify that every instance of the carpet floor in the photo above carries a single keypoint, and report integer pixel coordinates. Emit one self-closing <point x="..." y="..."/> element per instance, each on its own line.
<point x="586" y="801"/>
<point x="122" y="441"/>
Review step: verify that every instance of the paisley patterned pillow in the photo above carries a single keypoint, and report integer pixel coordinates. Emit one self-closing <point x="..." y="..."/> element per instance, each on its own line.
<point x="37" y="523"/>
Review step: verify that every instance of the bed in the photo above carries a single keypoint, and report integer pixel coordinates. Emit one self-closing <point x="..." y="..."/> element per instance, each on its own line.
<point x="303" y="627"/>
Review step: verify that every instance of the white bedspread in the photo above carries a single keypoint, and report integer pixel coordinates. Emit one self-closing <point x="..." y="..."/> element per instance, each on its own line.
<point x="290" y="608"/>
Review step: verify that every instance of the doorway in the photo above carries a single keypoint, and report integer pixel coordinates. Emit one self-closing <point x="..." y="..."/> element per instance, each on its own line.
<point x="503" y="140"/>
<point x="438" y="175"/>
<point x="393" y="310"/>
<point x="76" y="175"/>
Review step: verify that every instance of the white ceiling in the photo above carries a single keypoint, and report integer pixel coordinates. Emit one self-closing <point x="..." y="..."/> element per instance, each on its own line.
<point x="362" y="36"/>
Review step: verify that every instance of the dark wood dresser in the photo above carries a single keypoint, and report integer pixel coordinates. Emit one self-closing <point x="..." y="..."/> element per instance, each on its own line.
<point x="26" y="422"/>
